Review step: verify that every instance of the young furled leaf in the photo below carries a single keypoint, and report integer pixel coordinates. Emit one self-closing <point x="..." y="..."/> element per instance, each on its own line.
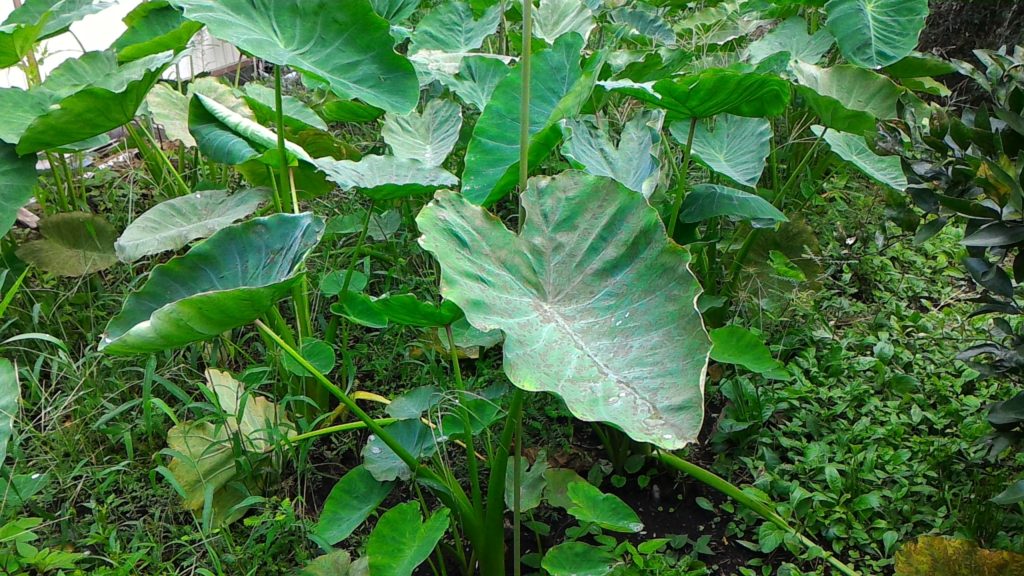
<point x="596" y="303"/>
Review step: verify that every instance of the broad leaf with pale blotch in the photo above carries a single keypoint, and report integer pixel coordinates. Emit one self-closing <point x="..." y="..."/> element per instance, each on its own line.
<point x="427" y="136"/>
<point x="732" y="146"/>
<point x="386" y="177"/>
<point x="596" y="303"/>
<point x="633" y="162"/>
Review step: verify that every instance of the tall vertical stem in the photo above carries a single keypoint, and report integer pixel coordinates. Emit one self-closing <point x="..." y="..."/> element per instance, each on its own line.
<point x="525" y="60"/>
<point x="681" y="185"/>
<point x="467" y="424"/>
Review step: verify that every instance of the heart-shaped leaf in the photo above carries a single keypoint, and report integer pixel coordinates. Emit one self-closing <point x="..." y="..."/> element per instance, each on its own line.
<point x="578" y="559"/>
<point x="169" y="109"/>
<point x="351" y="49"/>
<point x="734" y="147"/>
<point x="174" y="223"/>
<point x="229" y="280"/>
<point x="428" y="136"/>
<point x="556" y="18"/>
<point x="450" y="27"/>
<point x="633" y="162"/>
<point x="854" y="149"/>
<point x="791" y="36"/>
<point x="596" y="303"/>
<point x="845" y="97"/>
<point x="401" y="540"/>
<point x="349" y="504"/>
<point x="73" y="244"/>
<point x="477" y="79"/>
<point x="876" y="33"/>
<point x="608" y="511"/>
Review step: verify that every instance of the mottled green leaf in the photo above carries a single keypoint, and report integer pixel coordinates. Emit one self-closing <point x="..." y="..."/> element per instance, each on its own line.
<point x="596" y="303"/>
<point x="556" y="18"/>
<point x="707" y="201"/>
<point x="386" y="177"/>
<point x="169" y="110"/>
<point x="477" y="79"/>
<point x="450" y="27"/>
<point x="791" y="36"/>
<point x="847" y="98"/>
<point x="633" y="162"/>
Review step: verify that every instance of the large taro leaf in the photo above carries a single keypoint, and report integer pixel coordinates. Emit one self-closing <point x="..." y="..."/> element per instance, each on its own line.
<point x="854" y="149"/>
<point x="394" y="11"/>
<point x="578" y="559"/>
<point x="176" y="222"/>
<point x="596" y="303"/>
<point x="555" y="18"/>
<point x="876" y="33"/>
<point x="558" y="87"/>
<point x="401" y="540"/>
<point x="154" y="27"/>
<point x="450" y="27"/>
<point x="229" y="280"/>
<point x="645" y="21"/>
<point x="73" y="244"/>
<point x="349" y="47"/>
<point x="17" y="180"/>
<point x="80" y="99"/>
<point x="10" y="394"/>
<point x="386" y="177"/>
<point x="711" y="92"/>
<point x="633" y="162"/>
<point x="791" y="37"/>
<point x="427" y="136"/>
<point x="845" y="97"/>
<point x="712" y="200"/>
<point x="734" y="147"/>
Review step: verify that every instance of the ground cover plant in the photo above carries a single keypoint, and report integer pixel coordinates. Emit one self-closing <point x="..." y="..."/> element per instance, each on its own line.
<point x="574" y="287"/>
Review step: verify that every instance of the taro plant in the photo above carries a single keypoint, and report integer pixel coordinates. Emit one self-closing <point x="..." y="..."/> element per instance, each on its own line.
<point x="593" y="278"/>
